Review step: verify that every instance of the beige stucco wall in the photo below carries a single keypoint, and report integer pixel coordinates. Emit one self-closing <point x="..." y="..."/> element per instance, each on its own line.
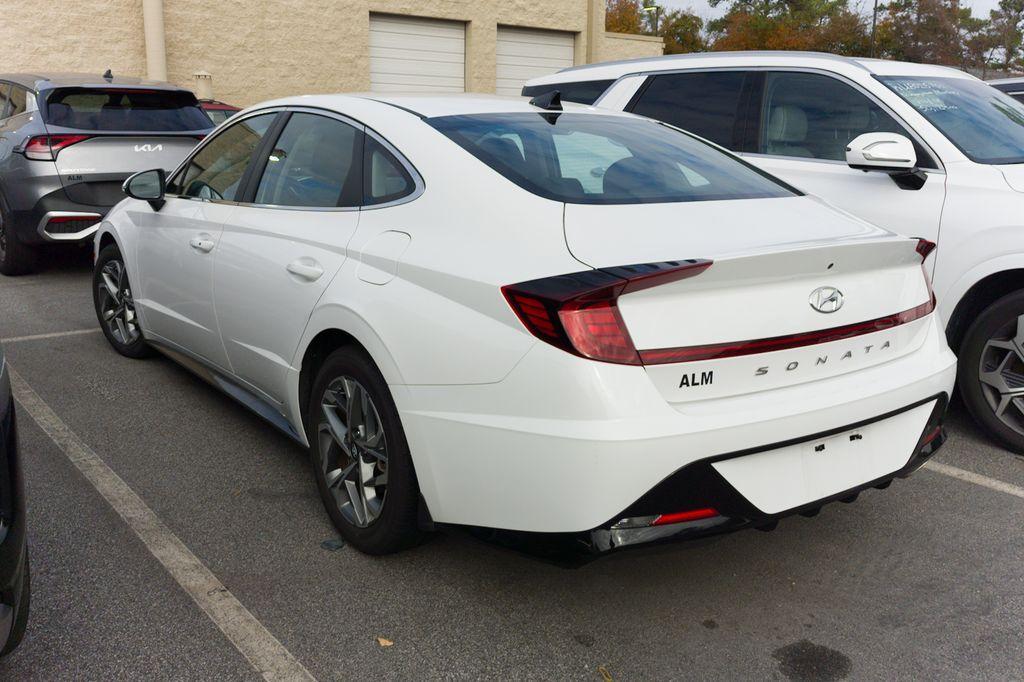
<point x="262" y="49"/>
<point x="72" y="35"/>
<point x="626" y="46"/>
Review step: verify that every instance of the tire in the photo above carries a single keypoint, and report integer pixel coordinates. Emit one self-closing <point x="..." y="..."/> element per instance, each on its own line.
<point x="115" y="308"/>
<point x="991" y="368"/>
<point x="367" y="444"/>
<point x="21" y="617"/>
<point x="16" y="257"/>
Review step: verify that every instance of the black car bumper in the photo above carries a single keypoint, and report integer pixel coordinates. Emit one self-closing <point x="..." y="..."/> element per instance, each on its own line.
<point x="717" y="507"/>
<point x="60" y="217"/>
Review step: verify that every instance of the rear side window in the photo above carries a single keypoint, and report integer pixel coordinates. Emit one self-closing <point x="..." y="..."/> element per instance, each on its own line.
<point x="384" y="178"/>
<point x="112" y="109"/>
<point x="216" y="172"/>
<point x="314" y="164"/>
<point x="596" y="159"/>
<point x="704" y="103"/>
<point x="582" y="92"/>
<point x="5" y="99"/>
<point x="17" y="97"/>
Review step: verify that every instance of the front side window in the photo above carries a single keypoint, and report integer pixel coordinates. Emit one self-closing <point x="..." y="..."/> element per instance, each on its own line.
<point x="125" y="109"/>
<point x="813" y="116"/>
<point x="314" y="164"/>
<point x="984" y="123"/>
<point x="216" y="172"/>
<point x="704" y="103"/>
<point x="597" y="159"/>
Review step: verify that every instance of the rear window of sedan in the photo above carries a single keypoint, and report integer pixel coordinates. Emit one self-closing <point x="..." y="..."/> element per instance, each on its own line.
<point x="125" y="109"/>
<point x="595" y="159"/>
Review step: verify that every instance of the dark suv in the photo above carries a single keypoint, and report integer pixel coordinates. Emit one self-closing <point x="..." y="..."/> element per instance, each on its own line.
<point x="68" y="141"/>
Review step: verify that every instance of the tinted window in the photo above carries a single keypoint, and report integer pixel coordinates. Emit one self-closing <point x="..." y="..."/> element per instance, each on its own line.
<point x="217" y="170"/>
<point x="123" y="110"/>
<point x="385" y="179"/>
<point x="706" y="104"/>
<point x="590" y="159"/>
<point x="17" y="96"/>
<point x="315" y="163"/>
<point x="985" y="124"/>
<point x="813" y="116"/>
<point x="583" y="92"/>
<point x="5" y="101"/>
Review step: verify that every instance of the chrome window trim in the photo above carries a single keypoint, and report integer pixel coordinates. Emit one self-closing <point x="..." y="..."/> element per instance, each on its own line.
<point x="913" y="134"/>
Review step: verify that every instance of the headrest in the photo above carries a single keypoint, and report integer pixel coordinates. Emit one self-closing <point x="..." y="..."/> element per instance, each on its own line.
<point x="858" y="118"/>
<point x="787" y="124"/>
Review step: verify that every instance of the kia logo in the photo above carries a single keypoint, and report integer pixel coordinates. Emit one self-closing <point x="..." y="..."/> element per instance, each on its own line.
<point x="149" y="147"/>
<point x="826" y="299"/>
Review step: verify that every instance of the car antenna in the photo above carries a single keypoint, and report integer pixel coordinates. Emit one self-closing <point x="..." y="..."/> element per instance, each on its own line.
<point x="552" y="101"/>
<point x="107" y="75"/>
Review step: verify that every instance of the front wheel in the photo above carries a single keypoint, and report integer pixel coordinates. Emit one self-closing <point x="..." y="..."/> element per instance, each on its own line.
<point x="115" y="306"/>
<point x="990" y="371"/>
<point x="360" y="457"/>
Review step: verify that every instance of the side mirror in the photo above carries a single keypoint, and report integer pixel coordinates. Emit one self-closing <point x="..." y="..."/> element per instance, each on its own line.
<point x="148" y="186"/>
<point x="888" y="152"/>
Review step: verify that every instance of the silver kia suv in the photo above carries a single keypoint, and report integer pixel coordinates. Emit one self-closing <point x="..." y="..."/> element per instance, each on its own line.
<point x="68" y="141"/>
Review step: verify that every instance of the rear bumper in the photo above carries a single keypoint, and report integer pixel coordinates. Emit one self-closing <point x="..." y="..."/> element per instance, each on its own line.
<point x="55" y="218"/>
<point x="564" y="445"/>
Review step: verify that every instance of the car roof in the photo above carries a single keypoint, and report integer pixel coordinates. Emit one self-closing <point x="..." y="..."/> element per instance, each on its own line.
<point x="49" y="81"/>
<point x="762" y="58"/>
<point x="430" y="106"/>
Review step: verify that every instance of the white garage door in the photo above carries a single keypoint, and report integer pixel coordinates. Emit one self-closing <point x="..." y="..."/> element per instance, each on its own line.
<point x="527" y="53"/>
<point x="409" y="54"/>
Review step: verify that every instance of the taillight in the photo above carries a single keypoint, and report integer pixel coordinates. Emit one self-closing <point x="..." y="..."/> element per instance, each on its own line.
<point x="579" y="313"/>
<point x="46" y="147"/>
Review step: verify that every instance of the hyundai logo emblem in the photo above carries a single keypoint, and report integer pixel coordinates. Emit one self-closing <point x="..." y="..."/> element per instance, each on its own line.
<point x="826" y="299"/>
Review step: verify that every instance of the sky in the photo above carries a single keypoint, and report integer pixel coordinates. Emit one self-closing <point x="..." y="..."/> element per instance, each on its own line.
<point x="980" y="8"/>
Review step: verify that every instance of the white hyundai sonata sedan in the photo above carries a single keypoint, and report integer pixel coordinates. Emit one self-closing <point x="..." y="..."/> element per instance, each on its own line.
<point x="481" y="311"/>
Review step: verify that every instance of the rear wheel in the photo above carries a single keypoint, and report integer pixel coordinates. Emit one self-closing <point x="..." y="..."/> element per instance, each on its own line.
<point x="115" y="306"/>
<point x="16" y="258"/>
<point x="360" y="457"/>
<point x="21" y="615"/>
<point x="991" y="370"/>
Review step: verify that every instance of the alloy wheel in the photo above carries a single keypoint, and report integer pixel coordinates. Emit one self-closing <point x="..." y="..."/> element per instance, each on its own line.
<point x="353" y="451"/>
<point x="117" y="307"/>
<point x="1001" y="374"/>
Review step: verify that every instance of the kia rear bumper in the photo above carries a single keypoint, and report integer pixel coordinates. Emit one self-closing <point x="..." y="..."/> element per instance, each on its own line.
<point x="55" y="218"/>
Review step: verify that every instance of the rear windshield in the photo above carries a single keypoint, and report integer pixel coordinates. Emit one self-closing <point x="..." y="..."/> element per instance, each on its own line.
<point x="125" y="110"/>
<point x="593" y="159"/>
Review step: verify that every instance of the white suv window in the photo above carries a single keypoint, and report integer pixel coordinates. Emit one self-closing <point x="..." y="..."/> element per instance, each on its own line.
<point x="814" y="116"/>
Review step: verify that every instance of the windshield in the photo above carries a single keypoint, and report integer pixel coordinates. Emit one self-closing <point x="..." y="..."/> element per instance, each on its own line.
<point x="124" y="110"/>
<point x="984" y="123"/>
<point x="591" y="159"/>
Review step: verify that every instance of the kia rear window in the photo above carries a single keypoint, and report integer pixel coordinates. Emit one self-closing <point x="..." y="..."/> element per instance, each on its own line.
<point x="595" y="159"/>
<point x="124" y="110"/>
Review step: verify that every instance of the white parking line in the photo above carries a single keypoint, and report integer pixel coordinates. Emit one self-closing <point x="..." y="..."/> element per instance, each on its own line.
<point x="51" y="335"/>
<point x="977" y="479"/>
<point x="263" y="651"/>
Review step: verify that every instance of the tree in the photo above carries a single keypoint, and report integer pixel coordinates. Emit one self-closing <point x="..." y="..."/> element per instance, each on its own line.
<point x="683" y="32"/>
<point x="825" y="25"/>
<point x="623" y="16"/>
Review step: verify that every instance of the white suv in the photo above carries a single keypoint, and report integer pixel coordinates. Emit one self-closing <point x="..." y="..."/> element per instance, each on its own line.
<point x="468" y="325"/>
<point x="946" y="158"/>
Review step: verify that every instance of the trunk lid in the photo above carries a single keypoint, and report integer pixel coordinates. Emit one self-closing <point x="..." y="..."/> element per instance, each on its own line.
<point x="747" y="323"/>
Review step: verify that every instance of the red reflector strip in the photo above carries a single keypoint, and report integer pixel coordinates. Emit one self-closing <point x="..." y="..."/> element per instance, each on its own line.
<point x="72" y="218"/>
<point x="681" y="517"/>
<point x="717" y="351"/>
<point x="931" y="435"/>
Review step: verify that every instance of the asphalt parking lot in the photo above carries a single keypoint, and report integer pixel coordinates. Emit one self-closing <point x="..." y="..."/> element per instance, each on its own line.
<point x="923" y="580"/>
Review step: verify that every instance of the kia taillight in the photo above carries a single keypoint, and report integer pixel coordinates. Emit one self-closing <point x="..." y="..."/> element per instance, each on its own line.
<point x="46" y="147"/>
<point x="579" y="313"/>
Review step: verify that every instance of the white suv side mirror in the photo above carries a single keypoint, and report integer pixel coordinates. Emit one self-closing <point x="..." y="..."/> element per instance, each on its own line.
<point x="881" y="151"/>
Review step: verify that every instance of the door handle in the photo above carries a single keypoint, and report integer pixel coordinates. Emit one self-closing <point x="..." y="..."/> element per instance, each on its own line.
<point x="305" y="268"/>
<point x="202" y="243"/>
